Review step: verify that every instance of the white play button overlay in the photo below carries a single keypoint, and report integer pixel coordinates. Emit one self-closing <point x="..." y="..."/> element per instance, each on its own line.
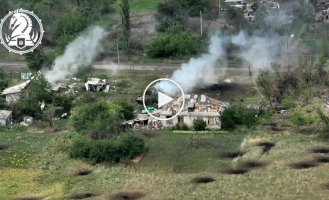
<point x="163" y="99"/>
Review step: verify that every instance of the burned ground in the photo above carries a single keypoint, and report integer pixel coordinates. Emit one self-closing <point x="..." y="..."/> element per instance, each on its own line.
<point x="83" y="195"/>
<point x="304" y="164"/>
<point x="83" y="172"/>
<point x="322" y="149"/>
<point x="4" y="146"/>
<point x="127" y="196"/>
<point x="203" y="180"/>
<point x="232" y="154"/>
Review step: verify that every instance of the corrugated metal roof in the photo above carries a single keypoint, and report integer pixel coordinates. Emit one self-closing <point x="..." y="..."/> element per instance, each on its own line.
<point x="15" y="89"/>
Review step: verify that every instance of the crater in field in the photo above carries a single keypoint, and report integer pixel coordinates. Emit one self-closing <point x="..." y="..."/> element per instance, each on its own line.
<point x="304" y="165"/>
<point x="325" y="186"/>
<point x="83" y="172"/>
<point x="202" y="143"/>
<point x="266" y="146"/>
<point x="29" y="198"/>
<point x="4" y="146"/>
<point x="128" y="196"/>
<point x="251" y="164"/>
<point x="232" y="154"/>
<point x="322" y="159"/>
<point x="83" y="195"/>
<point x="320" y="150"/>
<point x="203" y="180"/>
<point x="237" y="171"/>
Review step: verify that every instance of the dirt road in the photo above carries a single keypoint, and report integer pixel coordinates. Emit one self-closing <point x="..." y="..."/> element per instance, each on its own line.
<point x="21" y="66"/>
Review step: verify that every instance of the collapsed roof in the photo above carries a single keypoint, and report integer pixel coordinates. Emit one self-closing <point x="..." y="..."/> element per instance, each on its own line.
<point x="97" y="84"/>
<point x="16" y="89"/>
<point x="196" y="105"/>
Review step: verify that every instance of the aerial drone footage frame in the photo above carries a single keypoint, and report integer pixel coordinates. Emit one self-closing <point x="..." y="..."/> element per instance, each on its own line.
<point x="164" y="99"/>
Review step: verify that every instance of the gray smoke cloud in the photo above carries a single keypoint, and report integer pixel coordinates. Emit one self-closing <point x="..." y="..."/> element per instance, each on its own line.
<point x="258" y="51"/>
<point x="79" y="53"/>
<point x="199" y="71"/>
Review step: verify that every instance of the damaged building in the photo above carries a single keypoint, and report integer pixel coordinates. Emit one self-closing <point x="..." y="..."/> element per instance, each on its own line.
<point x="97" y="85"/>
<point x="195" y="107"/>
<point x="5" y="117"/>
<point x="14" y="93"/>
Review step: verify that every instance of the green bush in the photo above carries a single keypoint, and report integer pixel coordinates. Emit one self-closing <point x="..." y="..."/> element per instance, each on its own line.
<point x="100" y="120"/>
<point x="64" y="101"/>
<point x="180" y="127"/>
<point x="199" y="125"/>
<point x="176" y="41"/>
<point x="125" y="147"/>
<point x="302" y="118"/>
<point x="127" y="110"/>
<point x="288" y="102"/>
<point x="238" y="115"/>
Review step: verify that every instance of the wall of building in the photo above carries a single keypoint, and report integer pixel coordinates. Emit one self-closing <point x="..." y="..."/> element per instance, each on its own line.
<point x="3" y="122"/>
<point x="12" y="98"/>
<point x="188" y="120"/>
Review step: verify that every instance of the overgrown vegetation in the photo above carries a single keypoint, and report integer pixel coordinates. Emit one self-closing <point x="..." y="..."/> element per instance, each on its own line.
<point x="199" y="125"/>
<point x="238" y="115"/>
<point x="127" y="146"/>
<point x="176" y="41"/>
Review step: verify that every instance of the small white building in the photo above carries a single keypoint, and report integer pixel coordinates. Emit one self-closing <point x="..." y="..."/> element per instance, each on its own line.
<point x="5" y="117"/>
<point x="236" y="3"/>
<point x="97" y="85"/>
<point x="196" y="107"/>
<point x="14" y="93"/>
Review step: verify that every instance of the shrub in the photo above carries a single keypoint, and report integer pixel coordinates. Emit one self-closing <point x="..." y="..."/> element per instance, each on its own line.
<point x="97" y="151"/>
<point x="127" y="110"/>
<point x="180" y="127"/>
<point x="238" y="115"/>
<point x="301" y="118"/>
<point x="100" y="120"/>
<point x="64" y="101"/>
<point x="288" y="102"/>
<point x="199" y="125"/>
<point x="174" y="42"/>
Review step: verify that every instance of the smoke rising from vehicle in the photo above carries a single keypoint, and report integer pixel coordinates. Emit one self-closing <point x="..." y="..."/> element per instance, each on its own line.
<point x="79" y="53"/>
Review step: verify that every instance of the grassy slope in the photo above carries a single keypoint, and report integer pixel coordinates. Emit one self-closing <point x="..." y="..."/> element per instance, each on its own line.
<point x="165" y="173"/>
<point x="138" y="6"/>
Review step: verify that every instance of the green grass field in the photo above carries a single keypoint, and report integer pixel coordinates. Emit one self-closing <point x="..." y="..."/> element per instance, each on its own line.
<point x="138" y="6"/>
<point x="36" y="164"/>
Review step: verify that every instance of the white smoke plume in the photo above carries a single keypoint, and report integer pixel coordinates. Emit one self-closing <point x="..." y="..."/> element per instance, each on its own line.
<point x="79" y="53"/>
<point x="258" y="49"/>
<point x="198" y="72"/>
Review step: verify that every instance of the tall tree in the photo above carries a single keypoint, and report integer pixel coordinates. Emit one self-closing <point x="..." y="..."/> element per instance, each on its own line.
<point x="125" y="17"/>
<point x="35" y="60"/>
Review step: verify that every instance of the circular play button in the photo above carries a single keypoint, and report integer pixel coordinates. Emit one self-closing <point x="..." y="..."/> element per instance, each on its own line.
<point x="167" y="102"/>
